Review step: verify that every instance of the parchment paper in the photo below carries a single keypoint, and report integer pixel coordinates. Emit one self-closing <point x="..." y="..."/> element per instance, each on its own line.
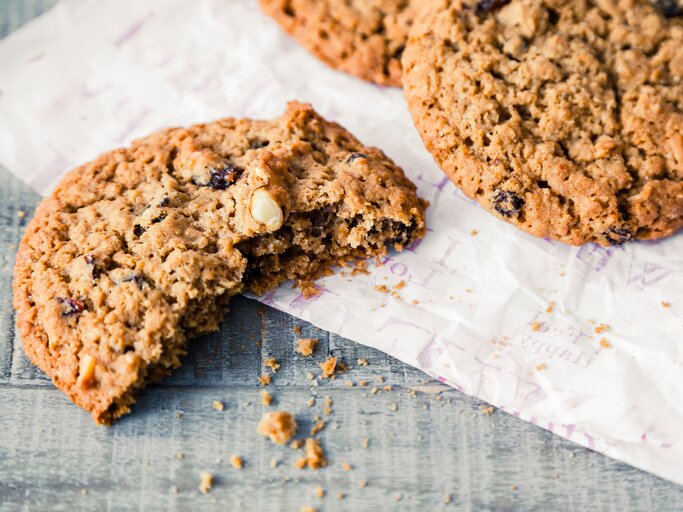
<point x="89" y="76"/>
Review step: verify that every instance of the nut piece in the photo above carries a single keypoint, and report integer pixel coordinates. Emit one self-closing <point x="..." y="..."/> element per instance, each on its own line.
<point x="266" y="210"/>
<point x="86" y="373"/>
<point x="278" y="426"/>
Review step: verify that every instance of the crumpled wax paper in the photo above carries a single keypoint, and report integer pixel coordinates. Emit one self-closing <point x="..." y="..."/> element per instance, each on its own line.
<point x="476" y="309"/>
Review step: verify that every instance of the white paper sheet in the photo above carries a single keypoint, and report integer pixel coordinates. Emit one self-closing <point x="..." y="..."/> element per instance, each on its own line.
<point x="89" y="76"/>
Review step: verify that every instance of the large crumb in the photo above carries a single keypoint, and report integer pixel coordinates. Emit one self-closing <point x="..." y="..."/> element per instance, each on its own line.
<point x="279" y="426"/>
<point x="264" y="380"/>
<point x="237" y="461"/>
<point x="205" y="481"/>
<point x="328" y="367"/>
<point x="314" y="457"/>
<point x="266" y="398"/>
<point x="272" y="364"/>
<point x="306" y="346"/>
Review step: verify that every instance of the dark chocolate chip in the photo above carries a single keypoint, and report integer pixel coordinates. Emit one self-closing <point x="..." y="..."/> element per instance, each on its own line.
<point x="507" y="203"/>
<point x="616" y="235"/>
<point x="138" y="230"/>
<point x="490" y="5"/>
<point x="320" y="219"/>
<point x="251" y="273"/>
<point x="164" y="201"/>
<point x="258" y="143"/>
<point x="225" y="176"/>
<point x="71" y="306"/>
<point x="355" y="156"/>
<point x="553" y="16"/>
<point x="398" y="53"/>
<point x="670" y="8"/>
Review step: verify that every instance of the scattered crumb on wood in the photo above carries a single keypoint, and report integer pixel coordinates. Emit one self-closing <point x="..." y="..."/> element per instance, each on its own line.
<point x="488" y="410"/>
<point x="341" y="496"/>
<point x="237" y="461"/>
<point x="374" y="391"/>
<point x="274" y="462"/>
<point x="278" y="426"/>
<point x="474" y="232"/>
<point x="379" y="379"/>
<point x="174" y="489"/>
<point x="447" y="499"/>
<point x="314" y="457"/>
<point x="296" y="444"/>
<point x="272" y="363"/>
<point x="328" y="367"/>
<point x="394" y="407"/>
<point x="218" y="405"/>
<point x="319" y="491"/>
<point x="363" y="484"/>
<point x="266" y="398"/>
<point x="535" y="326"/>
<point x="296" y="329"/>
<point x="400" y="285"/>
<point x="21" y="214"/>
<point x="363" y="383"/>
<point x="205" y="481"/>
<point x="398" y="497"/>
<point x="362" y="362"/>
<point x="349" y="383"/>
<point x="309" y="376"/>
<point x="601" y="328"/>
<point x="306" y="346"/>
<point x="666" y="305"/>
<point x="311" y="402"/>
<point x="180" y="455"/>
<point x="305" y="508"/>
<point x="84" y="492"/>
<point x="346" y="466"/>
<point x="388" y="387"/>
<point x="365" y="442"/>
<point x="264" y="379"/>
<point x="513" y="487"/>
<point x="604" y="343"/>
<point x="318" y="426"/>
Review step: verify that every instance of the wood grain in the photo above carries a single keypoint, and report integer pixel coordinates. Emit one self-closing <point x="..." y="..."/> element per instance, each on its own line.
<point x="53" y="457"/>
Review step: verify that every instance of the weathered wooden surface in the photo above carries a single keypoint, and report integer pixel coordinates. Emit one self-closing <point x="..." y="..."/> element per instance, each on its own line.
<point x="53" y="457"/>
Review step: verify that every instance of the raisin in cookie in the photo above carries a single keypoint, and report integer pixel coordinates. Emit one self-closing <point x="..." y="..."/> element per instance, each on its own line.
<point x="141" y="249"/>
<point x="362" y="37"/>
<point x="563" y="117"/>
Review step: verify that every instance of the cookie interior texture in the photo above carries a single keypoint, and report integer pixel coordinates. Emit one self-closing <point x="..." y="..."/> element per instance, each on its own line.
<point x="563" y="117"/>
<point x="365" y="38"/>
<point x="140" y="250"/>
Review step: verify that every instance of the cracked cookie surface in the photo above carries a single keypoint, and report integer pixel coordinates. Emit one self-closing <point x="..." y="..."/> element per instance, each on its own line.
<point x="563" y="117"/>
<point x="362" y="37"/>
<point x="141" y="249"/>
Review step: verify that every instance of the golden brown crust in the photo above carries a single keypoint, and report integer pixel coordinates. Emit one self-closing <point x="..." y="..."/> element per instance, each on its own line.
<point x="364" y="38"/>
<point x="562" y="117"/>
<point x="140" y="250"/>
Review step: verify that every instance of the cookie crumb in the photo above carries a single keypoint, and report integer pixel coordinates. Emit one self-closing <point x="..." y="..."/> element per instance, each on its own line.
<point x="541" y="367"/>
<point x="305" y="508"/>
<point x="318" y="426"/>
<point x="551" y="307"/>
<point x="362" y="383"/>
<point x="666" y="305"/>
<point x="237" y="461"/>
<point x="217" y="405"/>
<point x="362" y="362"/>
<point x="266" y="398"/>
<point x="349" y="383"/>
<point x="309" y="376"/>
<point x="604" y="343"/>
<point x="296" y="444"/>
<point x="601" y="328"/>
<point x="265" y="379"/>
<point x="513" y="487"/>
<point x="488" y="410"/>
<point x="173" y="489"/>
<point x="272" y="364"/>
<point x="400" y="285"/>
<point x="278" y="426"/>
<point x="382" y="288"/>
<point x="365" y="442"/>
<point x="379" y="379"/>
<point x="363" y="484"/>
<point x="306" y="346"/>
<point x="180" y="455"/>
<point x="346" y="466"/>
<point x="388" y="387"/>
<point x="447" y="499"/>
<point x="84" y="492"/>
<point x="311" y="402"/>
<point x="328" y="367"/>
<point x="21" y="214"/>
<point x="314" y="457"/>
<point x="296" y="329"/>
<point x="341" y="496"/>
<point x="274" y="462"/>
<point x="474" y="232"/>
<point x="394" y="407"/>
<point x="535" y="326"/>
<point x="398" y="497"/>
<point x="319" y="491"/>
<point x="205" y="481"/>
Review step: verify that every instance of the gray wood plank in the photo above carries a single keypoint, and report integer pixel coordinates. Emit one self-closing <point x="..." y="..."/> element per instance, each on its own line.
<point x="50" y="451"/>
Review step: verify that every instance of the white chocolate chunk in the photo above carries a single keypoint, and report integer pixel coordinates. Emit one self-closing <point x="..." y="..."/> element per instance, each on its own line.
<point x="86" y="371"/>
<point x="266" y="210"/>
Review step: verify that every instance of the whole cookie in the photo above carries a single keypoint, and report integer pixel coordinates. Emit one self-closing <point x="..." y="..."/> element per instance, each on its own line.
<point x="140" y="250"/>
<point x="362" y="37"/>
<point x="563" y="117"/>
